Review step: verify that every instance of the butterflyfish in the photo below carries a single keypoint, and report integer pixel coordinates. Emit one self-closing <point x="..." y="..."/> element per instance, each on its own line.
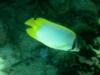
<point x="51" y="34"/>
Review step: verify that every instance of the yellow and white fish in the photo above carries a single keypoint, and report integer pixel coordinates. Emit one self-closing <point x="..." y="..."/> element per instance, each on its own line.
<point x="51" y="34"/>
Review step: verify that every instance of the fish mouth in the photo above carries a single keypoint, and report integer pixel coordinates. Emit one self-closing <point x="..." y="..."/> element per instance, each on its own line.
<point x="28" y="26"/>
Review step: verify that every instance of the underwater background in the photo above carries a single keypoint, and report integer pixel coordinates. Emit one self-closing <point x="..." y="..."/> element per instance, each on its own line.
<point x="22" y="55"/>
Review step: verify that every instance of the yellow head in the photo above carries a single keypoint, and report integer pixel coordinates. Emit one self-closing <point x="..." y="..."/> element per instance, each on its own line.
<point x="34" y="26"/>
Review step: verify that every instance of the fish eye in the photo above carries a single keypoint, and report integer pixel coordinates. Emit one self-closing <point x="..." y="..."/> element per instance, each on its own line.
<point x="35" y="18"/>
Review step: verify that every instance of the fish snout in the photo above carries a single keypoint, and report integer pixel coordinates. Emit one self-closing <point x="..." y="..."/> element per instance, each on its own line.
<point x="28" y="26"/>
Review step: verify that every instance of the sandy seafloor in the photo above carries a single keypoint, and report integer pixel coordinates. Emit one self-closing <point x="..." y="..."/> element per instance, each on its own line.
<point x="22" y="55"/>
